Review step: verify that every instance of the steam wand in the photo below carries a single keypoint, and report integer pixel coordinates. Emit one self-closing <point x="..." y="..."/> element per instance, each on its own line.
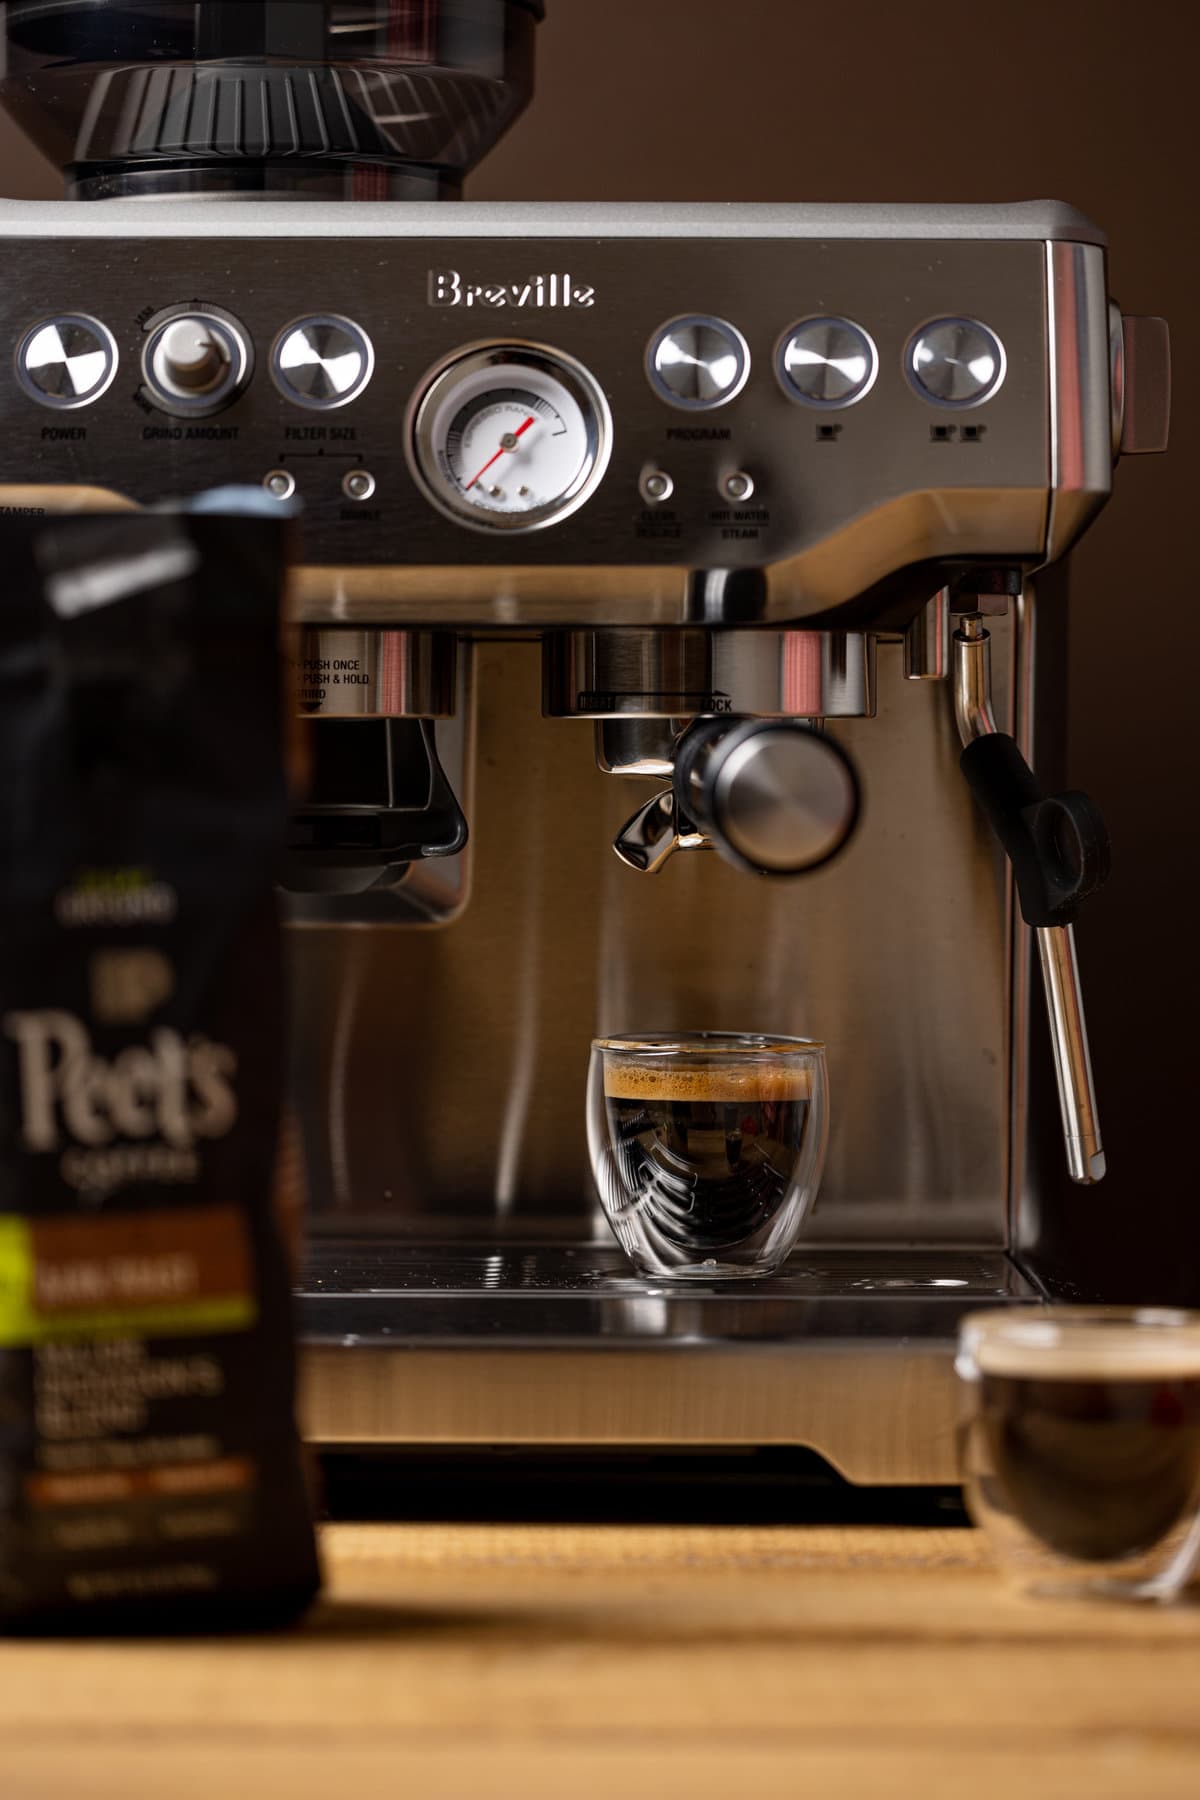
<point x="1059" y="850"/>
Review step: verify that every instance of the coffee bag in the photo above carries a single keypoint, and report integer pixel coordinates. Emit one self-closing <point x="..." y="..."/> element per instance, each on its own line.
<point x="150" y="1473"/>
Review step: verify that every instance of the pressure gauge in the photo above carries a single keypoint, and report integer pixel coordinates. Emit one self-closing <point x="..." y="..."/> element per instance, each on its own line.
<point x="510" y="437"/>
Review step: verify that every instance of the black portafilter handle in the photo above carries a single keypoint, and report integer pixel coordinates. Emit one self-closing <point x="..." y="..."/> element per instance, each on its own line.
<point x="1058" y="844"/>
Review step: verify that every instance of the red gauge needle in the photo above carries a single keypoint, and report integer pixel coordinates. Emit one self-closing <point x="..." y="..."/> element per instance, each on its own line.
<point x="509" y="442"/>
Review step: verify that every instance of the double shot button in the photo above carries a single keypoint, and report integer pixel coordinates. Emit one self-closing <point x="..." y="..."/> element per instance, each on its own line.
<point x="955" y="362"/>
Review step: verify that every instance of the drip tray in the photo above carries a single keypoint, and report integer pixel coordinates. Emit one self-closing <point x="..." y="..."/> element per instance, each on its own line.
<point x="537" y="1294"/>
<point x="846" y="1352"/>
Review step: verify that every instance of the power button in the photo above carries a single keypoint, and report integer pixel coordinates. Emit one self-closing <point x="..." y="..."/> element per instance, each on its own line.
<point x="67" y="361"/>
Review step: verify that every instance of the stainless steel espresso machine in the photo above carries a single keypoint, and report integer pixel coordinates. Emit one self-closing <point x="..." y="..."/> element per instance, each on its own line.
<point x="680" y="621"/>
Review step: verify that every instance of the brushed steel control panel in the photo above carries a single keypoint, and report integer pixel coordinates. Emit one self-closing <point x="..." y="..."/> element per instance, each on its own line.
<point x="830" y="408"/>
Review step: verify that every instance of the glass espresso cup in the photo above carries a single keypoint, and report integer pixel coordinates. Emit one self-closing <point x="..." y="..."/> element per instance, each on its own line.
<point x="707" y="1148"/>
<point x="1081" y="1446"/>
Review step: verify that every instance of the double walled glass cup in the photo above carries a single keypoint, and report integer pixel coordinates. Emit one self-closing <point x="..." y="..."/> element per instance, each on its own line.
<point x="1081" y="1446"/>
<point x="707" y="1148"/>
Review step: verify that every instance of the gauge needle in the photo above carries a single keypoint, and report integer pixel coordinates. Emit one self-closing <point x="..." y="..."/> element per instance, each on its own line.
<point x="508" y="442"/>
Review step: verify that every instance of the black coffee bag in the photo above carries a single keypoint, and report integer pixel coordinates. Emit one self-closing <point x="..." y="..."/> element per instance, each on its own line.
<point x="150" y="1473"/>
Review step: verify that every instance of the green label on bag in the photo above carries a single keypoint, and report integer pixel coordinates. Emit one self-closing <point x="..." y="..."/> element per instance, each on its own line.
<point x="151" y="1274"/>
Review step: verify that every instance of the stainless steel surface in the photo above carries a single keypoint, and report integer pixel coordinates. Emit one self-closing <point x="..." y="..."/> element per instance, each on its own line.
<point x="66" y="362"/>
<point x="654" y="833"/>
<point x="698" y="363"/>
<point x="831" y="516"/>
<point x="973" y="681"/>
<point x="443" y="1131"/>
<point x="1072" y="1058"/>
<point x="524" y="1342"/>
<point x="956" y="362"/>
<point x="1027" y="221"/>
<point x="828" y="363"/>
<point x="782" y="798"/>
<point x="1025" y="1159"/>
<point x="194" y="363"/>
<point x="633" y="746"/>
<point x="927" y="641"/>
<point x="678" y="674"/>
<point x="350" y="674"/>
<point x="1146" y="412"/>
<point x="323" y="362"/>
<point x="1080" y="389"/>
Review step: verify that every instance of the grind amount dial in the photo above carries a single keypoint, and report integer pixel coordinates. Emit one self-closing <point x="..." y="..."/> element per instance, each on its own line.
<point x="510" y="437"/>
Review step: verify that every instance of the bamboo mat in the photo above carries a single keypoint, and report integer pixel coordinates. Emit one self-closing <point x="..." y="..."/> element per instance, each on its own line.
<point x="566" y="1663"/>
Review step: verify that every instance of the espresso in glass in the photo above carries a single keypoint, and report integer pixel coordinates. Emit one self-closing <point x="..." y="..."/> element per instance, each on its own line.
<point x="707" y="1147"/>
<point x="710" y="1151"/>
<point x="1086" y="1433"/>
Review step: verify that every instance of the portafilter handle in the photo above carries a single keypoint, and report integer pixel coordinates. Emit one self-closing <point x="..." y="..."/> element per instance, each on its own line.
<point x="1059" y="850"/>
<point x="771" y="796"/>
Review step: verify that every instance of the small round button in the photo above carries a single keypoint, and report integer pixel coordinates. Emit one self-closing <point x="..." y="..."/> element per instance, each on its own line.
<point x="656" y="486"/>
<point x="322" y="362"/>
<point x="280" y="483"/>
<point x="827" y="362"/>
<point x="698" y="363"/>
<point x="358" y="484"/>
<point x="66" y="362"/>
<point x="955" y="362"/>
<point x="194" y="362"/>
<point x="738" y="486"/>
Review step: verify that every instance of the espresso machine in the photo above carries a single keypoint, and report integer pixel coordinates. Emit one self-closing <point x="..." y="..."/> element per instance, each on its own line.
<point x="680" y="619"/>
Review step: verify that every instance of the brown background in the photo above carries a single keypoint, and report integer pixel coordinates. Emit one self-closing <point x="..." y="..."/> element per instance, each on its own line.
<point x="1091" y="101"/>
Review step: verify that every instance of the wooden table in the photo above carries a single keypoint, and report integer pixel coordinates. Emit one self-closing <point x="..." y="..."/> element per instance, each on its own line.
<point x="552" y="1663"/>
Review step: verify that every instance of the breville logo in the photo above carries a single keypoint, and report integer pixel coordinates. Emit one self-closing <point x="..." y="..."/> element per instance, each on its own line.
<point x="448" y="288"/>
<point x="174" y="1090"/>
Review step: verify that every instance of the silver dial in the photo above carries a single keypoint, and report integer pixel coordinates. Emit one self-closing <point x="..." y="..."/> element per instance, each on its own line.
<point x="195" y="361"/>
<point x="510" y="437"/>
<point x="67" y="361"/>
<point x="698" y="362"/>
<point x="322" y="362"/>
<point x="827" y="362"/>
<point x="955" y="362"/>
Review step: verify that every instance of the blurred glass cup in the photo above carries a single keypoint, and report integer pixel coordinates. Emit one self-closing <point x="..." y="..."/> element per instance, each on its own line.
<point x="1081" y="1446"/>
<point x="707" y="1148"/>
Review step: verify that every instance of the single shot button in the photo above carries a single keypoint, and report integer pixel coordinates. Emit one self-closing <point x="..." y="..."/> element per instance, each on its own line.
<point x="827" y="363"/>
